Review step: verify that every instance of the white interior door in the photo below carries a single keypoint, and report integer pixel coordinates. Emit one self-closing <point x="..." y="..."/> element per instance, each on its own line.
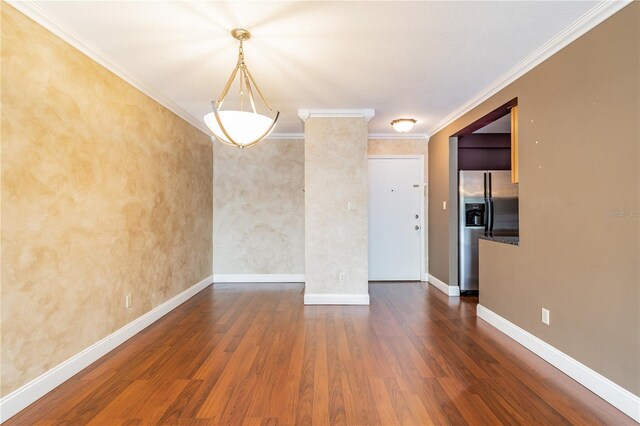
<point x="395" y="219"/>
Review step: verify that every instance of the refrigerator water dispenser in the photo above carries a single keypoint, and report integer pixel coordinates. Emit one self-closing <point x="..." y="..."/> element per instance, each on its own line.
<point x="474" y="214"/>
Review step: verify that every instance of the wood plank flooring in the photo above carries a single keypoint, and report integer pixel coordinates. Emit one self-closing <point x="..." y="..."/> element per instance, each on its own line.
<point x="253" y="354"/>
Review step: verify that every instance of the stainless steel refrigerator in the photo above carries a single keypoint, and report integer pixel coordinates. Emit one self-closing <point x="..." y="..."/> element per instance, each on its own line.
<point x="488" y="205"/>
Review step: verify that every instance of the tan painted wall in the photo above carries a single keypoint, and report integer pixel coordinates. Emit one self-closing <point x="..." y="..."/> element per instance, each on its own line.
<point x="336" y="174"/>
<point x="438" y="190"/>
<point x="259" y="208"/>
<point x="579" y="165"/>
<point x="104" y="192"/>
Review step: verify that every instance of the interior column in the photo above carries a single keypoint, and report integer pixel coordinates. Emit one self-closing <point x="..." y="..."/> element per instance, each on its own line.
<point x="336" y="188"/>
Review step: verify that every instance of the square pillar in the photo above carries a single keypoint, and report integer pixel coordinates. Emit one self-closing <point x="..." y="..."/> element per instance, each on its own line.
<point x="336" y="210"/>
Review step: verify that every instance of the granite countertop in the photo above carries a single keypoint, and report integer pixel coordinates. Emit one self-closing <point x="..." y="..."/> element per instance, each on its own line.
<point x="514" y="241"/>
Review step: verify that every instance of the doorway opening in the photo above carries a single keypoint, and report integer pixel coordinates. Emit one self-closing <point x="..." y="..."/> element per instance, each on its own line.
<point x="483" y="190"/>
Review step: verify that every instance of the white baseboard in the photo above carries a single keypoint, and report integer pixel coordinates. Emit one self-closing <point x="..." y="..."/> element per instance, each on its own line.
<point x="614" y="394"/>
<point x="258" y="278"/>
<point x="336" y="299"/>
<point x="38" y="387"/>
<point x="449" y="290"/>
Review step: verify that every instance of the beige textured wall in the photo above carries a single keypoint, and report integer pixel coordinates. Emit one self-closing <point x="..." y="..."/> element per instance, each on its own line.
<point x="259" y="208"/>
<point x="579" y="201"/>
<point x="398" y="147"/>
<point x="336" y="174"/>
<point x="259" y="204"/>
<point x="104" y="192"/>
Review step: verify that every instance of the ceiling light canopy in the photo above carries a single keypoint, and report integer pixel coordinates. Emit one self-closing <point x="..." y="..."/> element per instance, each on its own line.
<point x="403" y="125"/>
<point x="241" y="128"/>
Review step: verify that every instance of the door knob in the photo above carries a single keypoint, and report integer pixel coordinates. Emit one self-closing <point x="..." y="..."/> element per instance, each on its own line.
<point x="417" y="227"/>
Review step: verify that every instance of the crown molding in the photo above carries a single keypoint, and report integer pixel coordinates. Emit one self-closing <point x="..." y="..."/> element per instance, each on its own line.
<point x="380" y="136"/>
<point x="286" y="136"/>
<point x="366" y="113"/>
<point x="586" y="22"/>
<point x="39" y="15"/>
<point x="400" y="136"/>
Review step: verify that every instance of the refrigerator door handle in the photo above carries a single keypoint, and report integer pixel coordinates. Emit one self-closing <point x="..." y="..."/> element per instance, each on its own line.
<point x="490" y="191"/>
<point x="491" y="216"/>
<point x="490" y="202"/>
<point x="486" y="195"/>
<point x="486" y="217"/>
<point x="486" y="204"/>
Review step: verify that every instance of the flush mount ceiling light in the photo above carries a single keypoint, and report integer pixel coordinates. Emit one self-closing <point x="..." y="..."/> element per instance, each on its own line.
<point x="240" y="128"/>
<point x="403" y="125"/>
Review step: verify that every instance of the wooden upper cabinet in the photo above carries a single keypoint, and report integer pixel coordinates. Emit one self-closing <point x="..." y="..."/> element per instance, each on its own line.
<point x="515" y="177"/>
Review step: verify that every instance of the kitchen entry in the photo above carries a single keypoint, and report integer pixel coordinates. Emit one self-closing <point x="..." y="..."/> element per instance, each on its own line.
<point x="396" y="218"/>
<point x="487" y="190"/>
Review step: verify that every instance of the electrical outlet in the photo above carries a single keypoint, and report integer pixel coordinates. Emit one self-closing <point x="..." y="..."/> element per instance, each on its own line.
<point x="128" y="301"/>
<point x="444" y="205"/>
<point x="342" y="277"/>
<point x="545" y="316"/>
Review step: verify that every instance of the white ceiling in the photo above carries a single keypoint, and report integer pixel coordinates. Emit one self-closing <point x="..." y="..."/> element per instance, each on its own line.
<point x="501" y="125"/>
<point x="405" y="59"/>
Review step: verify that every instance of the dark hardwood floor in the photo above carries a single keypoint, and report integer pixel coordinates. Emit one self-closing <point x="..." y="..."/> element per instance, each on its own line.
<point x="253" y="354"/>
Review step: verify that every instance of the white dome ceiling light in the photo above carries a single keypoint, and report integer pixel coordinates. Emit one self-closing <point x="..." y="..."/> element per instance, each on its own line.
<point x="240" y="128"/>
<point x="403" y="125"/>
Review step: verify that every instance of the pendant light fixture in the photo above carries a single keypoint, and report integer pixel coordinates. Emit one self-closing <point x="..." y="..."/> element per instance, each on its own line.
<point x="403" y="125"/>
<point x="240" y="128"/>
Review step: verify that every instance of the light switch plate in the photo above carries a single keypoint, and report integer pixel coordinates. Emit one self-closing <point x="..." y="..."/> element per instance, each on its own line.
<point x="545" y="316"/>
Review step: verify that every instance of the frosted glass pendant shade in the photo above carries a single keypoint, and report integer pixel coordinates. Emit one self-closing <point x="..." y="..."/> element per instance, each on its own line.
<point x="242" y="126"/>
